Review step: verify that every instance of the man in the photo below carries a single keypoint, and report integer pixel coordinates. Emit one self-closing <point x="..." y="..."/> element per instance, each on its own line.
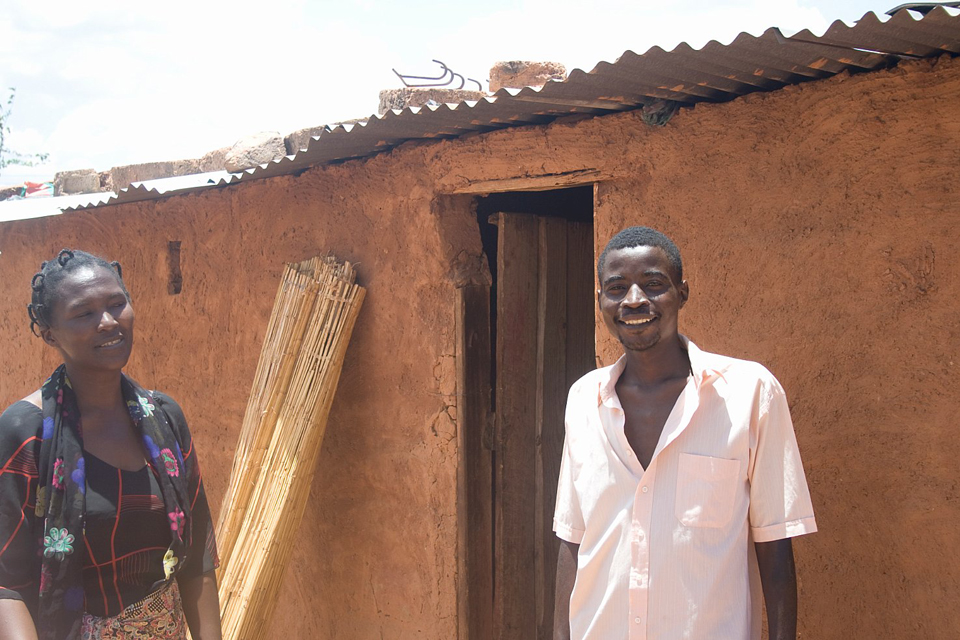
<point x="681" y="483"/>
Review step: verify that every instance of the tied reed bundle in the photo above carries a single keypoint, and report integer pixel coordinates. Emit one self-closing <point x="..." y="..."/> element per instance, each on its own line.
<point x="313" y="316"/>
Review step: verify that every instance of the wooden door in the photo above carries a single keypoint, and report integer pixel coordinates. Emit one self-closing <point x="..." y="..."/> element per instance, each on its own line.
<point x="545" y="341"/>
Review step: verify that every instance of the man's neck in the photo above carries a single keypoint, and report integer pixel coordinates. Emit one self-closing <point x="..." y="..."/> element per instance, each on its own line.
<point x="666" y="360"/>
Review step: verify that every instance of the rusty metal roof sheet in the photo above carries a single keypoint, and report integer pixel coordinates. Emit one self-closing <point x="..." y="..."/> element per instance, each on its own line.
<point x="714" y="73"/>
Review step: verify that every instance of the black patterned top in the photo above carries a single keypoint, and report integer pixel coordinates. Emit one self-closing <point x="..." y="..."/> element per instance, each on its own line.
<point x="126" y="533"/>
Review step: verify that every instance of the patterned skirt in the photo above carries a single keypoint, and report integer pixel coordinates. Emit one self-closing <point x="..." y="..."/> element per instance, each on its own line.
<point x="159" y="616"/>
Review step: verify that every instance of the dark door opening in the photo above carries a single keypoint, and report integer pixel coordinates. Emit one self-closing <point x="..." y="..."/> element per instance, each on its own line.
<point x="540" y="248"/>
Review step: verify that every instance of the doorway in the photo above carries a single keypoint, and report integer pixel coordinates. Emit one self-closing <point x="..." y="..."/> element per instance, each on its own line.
<point x="541" y="327"/>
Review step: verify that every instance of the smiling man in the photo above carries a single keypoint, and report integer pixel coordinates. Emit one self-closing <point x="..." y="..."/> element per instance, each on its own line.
<point x="681" y="484"/>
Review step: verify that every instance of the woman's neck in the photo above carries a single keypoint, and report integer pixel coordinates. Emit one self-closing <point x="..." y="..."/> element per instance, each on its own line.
<point x="96" y="390"/>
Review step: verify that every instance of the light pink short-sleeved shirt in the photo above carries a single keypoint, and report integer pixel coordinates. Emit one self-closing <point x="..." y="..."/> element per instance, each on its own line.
<point x="667" y="553"/>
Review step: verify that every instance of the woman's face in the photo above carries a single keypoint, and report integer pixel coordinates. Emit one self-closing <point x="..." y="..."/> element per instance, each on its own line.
<point x="91" y="322"/>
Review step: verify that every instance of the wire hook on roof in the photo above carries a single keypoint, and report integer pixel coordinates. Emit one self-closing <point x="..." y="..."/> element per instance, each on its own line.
<point x="439" y="81"/>
<point x="923" y="7"/>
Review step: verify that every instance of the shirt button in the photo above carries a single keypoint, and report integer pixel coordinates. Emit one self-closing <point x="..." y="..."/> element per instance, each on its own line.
<point x="637" y="620"/>
<point x="645" y="489"/>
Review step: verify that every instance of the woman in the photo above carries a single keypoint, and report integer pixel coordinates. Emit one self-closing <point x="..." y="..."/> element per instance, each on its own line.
<point x="104" y="525"/>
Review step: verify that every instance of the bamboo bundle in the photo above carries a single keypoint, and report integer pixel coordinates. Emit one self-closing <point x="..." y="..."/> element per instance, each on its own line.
<point x="313" y="316"/>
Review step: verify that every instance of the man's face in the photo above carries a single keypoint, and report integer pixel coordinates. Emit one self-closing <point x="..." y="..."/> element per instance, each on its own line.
<point x="638" y="297"/>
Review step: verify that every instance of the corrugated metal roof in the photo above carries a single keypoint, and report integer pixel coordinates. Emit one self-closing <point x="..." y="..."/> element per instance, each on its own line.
<point x="137" y="191"/>
<point x="27" y="208"/>
<point x="714" y="73"/>
<point x="179" y="185"/>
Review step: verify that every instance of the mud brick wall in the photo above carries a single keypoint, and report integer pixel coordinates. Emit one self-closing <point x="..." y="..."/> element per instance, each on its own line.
<point x="819" y="228"/>
<point x="377" y="548"/>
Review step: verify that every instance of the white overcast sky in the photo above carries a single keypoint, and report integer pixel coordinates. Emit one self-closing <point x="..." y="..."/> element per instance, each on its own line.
<point x="114" y="82"/>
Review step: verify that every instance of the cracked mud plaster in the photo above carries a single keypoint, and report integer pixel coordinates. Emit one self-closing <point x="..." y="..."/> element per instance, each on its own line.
<point x="444" y="424"/>
<point x="445" y="373"/>
<point x="909" y="272"/>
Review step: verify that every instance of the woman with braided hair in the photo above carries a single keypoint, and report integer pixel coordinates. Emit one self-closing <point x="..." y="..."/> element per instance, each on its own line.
<point x="105" y="530"/>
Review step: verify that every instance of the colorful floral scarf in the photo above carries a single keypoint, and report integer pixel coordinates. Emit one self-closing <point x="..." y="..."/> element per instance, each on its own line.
<point x="61" y="496"/>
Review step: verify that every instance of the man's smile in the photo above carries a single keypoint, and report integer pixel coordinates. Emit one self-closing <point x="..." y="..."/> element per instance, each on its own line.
<point x="637" y="320"/>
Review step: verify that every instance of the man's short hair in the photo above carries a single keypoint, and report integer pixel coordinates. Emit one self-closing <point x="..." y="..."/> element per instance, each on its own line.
<point x="643" y="237"/>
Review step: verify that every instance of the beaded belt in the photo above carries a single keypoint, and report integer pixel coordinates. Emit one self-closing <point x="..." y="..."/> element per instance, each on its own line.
<point x="159" y="616"/>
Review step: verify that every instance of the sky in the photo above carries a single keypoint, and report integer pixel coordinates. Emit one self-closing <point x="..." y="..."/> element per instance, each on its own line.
<point x="109" y="83"/>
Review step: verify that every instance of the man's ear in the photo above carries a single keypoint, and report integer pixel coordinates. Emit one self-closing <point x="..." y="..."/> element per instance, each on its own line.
<point x="684" y="293"/>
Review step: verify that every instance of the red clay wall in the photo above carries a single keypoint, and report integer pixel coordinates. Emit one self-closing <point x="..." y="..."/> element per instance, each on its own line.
<point x="377" y="550"/>
<point x="820" y="231"/>
<point x="818" y="228"/>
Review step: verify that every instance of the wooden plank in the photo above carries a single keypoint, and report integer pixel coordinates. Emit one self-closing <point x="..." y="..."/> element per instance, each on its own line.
<point x="581" y="301"/>
<point x="516" y="389"/>
<point x="620" y="104"/>
<point x="544" y="182"/>
<point x="474" y="473"/>
<point x="552" y="337"/>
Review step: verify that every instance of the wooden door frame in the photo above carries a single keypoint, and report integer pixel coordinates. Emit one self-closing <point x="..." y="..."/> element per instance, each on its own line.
<point x="474" y="469"/>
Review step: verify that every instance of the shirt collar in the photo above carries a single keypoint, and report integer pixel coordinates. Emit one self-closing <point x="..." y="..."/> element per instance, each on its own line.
<point x="705" y="367"/>
<point x="607" y="392"/>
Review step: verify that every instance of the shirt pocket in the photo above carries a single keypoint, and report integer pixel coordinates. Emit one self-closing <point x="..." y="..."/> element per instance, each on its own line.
<point x="706" y="490"/>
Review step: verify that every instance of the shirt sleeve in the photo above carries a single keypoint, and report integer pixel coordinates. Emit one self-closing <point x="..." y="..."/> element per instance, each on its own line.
<point x="567" y="517"/>
<point x="202" y="554"/>
<point x="780" y="505"/>
<point x="20" y="432"/>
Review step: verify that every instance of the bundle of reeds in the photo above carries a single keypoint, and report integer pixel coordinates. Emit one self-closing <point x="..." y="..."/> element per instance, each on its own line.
<point x="313" y="317"/>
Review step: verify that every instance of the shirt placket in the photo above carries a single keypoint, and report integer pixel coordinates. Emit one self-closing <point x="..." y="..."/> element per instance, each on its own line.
<point x="640" y="518"/>
<point x="639" y="593"/>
